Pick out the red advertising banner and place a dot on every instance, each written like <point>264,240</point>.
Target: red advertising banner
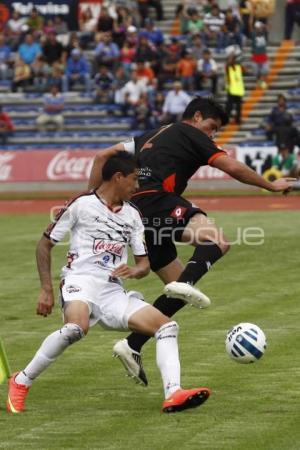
<point>45,165</point>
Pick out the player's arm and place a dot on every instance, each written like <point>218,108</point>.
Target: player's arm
<point>245,174</point>
<point>43,259</point>
<point>140,270</point>
<point>102,156</point>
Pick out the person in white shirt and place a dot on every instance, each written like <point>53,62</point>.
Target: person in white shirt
<point>133,91</point>
<point>207,71</point>
<point>103,224</point>
<point>175,103</point>
<point>214,24</point>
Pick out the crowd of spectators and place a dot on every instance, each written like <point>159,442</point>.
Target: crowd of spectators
<point>121,56</point>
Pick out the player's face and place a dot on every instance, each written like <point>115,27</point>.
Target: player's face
<point>210,126</point>
<point>128,185</point>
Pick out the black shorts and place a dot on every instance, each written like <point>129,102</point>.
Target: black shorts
<point>165,216</point>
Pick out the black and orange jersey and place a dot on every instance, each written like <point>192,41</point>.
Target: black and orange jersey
<point>170,155</point>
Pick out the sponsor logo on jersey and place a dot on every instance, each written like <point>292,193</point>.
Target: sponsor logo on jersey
<point>114,248</point>
<point>178,212</point>
<point>73,288</point>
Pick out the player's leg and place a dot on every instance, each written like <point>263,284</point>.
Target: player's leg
<point>76,325</point>
<point>149,320</point>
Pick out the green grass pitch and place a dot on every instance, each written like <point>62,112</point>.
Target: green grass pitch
<point>84,401</point>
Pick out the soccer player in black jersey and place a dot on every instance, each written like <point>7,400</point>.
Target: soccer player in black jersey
<point>167,158</point>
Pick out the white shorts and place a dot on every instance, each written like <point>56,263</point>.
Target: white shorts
<point>109,304</point>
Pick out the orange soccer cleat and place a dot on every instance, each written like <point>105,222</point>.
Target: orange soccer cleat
<point>185,398</point>
<point>16,395</point>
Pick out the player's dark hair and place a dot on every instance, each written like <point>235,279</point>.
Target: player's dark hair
<point>122,162</point>
<point>208,108</point>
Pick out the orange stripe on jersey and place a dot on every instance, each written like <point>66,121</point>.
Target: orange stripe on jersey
<point>169,183</point>
<point>215,156</point>
<point>144,192</point>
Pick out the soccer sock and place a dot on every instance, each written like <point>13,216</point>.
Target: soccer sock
<point>168,306</point>
<point>205,255</point>
<point>167,357</point>
<point>50,349</point>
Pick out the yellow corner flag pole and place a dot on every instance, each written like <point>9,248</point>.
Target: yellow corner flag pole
<point>4,364</point>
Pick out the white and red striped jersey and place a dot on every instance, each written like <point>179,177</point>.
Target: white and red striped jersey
<point>99,237</point>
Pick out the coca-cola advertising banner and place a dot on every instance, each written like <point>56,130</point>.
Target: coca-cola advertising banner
<point>75,165</point>
<point>45,165</point>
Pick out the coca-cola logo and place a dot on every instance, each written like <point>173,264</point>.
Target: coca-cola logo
<point>5,167</point>
<point>110,247</point>
<point>65,166</point>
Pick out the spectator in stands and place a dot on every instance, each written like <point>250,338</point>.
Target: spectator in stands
<point>105,22</point>
<point>168,68</point>
<point>103,82</point>
<point>195,24</point>
<point>132,36</point>
<point>60,26</point>
<point>142,114</point>
<point>207,71</point>
<point>132,92</point>
<point>77,71</point>
<point>143,7</point>
<point>15,29</point>
<point>175,103</point>
<point>214,23</point>
<point>118,88</point>
<point>196,46</point>
<point>286,132</point>
<point>259,54</point>
<point>157,110</point>
<point>56,75</point>
<point>146,51</point>
<point>107,53</point>
<point>144,72</point>
<point>53,50</point>
<point>286,162</point>
<point>54,104</point>
<point>292,17</point>
<point>29,50</point>
<point>87,27</point>
<point>22,75</point>
<point>186,70</point>
<point>246,17</point>
<point>6,127</point>
<point>40,72</point>
<point>276,117</point>
<point>5,58</point>
<point>73,42</point>
<point>235,86</point>
<point>232,29</point>
<point>152,33</point>
<point>48,27</point>
<point>127,55</point>
<point>35,22</point>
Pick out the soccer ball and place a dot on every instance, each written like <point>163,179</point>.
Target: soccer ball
<point>245,343</point>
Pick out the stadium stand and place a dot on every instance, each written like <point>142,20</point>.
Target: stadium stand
<point>88,123</point>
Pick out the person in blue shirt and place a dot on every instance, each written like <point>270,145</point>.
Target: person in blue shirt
<point>77,71</point>
<point>152,33</point>
<point>29,50</point>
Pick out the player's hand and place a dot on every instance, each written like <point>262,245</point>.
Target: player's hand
<point>45,303</point>
<point>284,185</point>
<point>124,271</point>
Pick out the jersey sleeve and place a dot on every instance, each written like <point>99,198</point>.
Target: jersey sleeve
<point>129,145</point>
<point>137,242</point>
<point>62,223</point>
<point>204,149</point>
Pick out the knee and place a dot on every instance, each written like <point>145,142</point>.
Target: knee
<point>73,332</point>
<point>224,245</point>
<point>167,330</point>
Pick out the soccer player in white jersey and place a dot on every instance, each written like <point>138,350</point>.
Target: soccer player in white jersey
<point>102,224</point>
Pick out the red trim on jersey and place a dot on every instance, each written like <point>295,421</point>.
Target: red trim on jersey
<point>215,156</point>
<point>145,192</point>
<point>169,183</point>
